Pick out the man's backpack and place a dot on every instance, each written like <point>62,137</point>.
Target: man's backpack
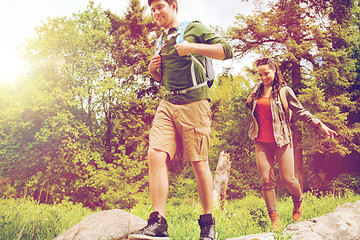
<point>208,68</point>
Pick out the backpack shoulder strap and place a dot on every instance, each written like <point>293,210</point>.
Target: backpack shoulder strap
<point>181,31</point>
<point>158,45</point>
<point>284,100</point>
<point>285,103</point>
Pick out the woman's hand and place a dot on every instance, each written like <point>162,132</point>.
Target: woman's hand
<point>252,95</point>
<point>329,132</point>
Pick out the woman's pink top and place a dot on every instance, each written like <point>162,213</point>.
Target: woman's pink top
<point>264,120</point>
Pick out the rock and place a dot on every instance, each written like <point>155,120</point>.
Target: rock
<point>260,236</point>
<point>221,180</point>
<point>112,224</point>
<point>341,224</point>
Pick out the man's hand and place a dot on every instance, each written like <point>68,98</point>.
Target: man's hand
<point>153,67</point>
<point>154,64</point>
<point>215,51</point>
<point>184,48</point>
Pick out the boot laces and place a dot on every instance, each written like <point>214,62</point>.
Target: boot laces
<point>150,224</point>
<point>207,230</point>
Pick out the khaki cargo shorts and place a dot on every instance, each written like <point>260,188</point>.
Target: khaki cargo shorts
<point>185,125</point>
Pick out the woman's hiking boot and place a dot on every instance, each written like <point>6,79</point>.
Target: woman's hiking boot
<point>275,221</point>
<point>207,227</point>
<point>298,210</point>
<point>156,229</point>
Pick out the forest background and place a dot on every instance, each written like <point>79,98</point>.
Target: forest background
<point>76,126</point>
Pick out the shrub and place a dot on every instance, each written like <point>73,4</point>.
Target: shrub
<point>346,181</point>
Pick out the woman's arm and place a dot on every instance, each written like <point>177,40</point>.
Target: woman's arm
<point>329,132</point>
<point>304,115</point>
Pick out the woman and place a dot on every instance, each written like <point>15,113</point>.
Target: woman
<point>270,129</point>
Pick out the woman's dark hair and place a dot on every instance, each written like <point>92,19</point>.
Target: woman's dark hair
<point>168,1</point>
<point>279,81</point>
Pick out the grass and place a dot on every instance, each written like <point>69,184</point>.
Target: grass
<point>244,216</point>
<point>27,220</point>
<point>21,219</point>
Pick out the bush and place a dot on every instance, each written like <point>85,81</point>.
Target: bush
<point>6,190</point>
<point>346,181</point>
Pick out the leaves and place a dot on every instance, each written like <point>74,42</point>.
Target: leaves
<point>76,127</point>
<point>311,43</point>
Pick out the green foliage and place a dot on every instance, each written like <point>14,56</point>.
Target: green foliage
<point>231,120</point>
<point>76,126</point>
<point>73,131</point>
<point>183,186</point>
<point>346,181</point>
<point>315,59</point>
<point>6,190</point>
<point>24,219</point>
<point>240,217</point>
<point>133,48</point>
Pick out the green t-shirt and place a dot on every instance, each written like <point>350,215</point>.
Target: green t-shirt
<point>176,70</point>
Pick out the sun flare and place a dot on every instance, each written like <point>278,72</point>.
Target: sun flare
<point>10,64</point>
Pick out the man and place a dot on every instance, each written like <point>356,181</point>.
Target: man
<point>183,117</point>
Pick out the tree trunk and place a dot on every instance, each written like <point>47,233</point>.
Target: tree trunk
<point>221,179</point>
<point>298,156</point>
<point>297,135</point>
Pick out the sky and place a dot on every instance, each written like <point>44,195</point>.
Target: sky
<point>19,18</point>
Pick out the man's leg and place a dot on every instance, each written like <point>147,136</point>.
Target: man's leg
<point>204,183</point>
<point>163,142</point>
<point>159,187</point>
<point>158,179</point>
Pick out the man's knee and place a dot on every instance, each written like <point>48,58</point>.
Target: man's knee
<point>157,156</point>
<point>200,165</point>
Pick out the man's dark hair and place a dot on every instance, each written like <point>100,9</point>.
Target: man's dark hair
<point>168,1</point>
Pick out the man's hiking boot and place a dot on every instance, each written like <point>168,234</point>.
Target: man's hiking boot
<point>275,221</point>
<point>156,229</point>
<point>207,227</point>
<point>298,210</point>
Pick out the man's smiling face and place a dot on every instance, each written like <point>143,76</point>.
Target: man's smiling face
<point>164,14</point>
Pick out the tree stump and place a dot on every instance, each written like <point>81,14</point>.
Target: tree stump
<point>221,179</point>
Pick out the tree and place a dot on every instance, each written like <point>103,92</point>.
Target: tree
<point>130,104</point>
<point>131,50</point>
<point>309,39</point>
<point>57,125</point>
<point>78,127</point>
<point>230,125</point>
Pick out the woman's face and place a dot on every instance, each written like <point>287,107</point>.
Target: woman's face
<point>266,74</point>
